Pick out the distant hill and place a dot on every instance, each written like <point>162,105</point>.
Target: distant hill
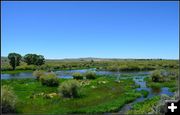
<point>5,59</point>
<point>98,59</point>
<point>85,59</point>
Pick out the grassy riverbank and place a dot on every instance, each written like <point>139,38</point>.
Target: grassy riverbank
<point>100,95</point>
<point>15,71</point>
<point>144,107</point>
<point>171,83</point>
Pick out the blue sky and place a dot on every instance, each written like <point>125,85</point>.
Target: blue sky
<point>91,29</point>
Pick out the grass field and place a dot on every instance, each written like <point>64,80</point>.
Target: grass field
<point>100,64</point>
<point>96,97</point>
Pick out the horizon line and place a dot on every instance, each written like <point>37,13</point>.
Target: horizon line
<point>105,58</point>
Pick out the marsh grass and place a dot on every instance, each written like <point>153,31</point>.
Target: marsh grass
<point>144,107</point>
<point>106,96</point>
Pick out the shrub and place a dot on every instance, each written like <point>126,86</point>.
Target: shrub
<point>8,99</point>
<point>38,74</point>
<point>70,88</point>
<point>44,67</point>
<point>113,68</point>
<point>123,67</point>
<point>90,75</point>
<point>172,77</point>
<point>26,67</point>
<point>144,93</point>
<point>49,79</point>
<point>77,75</point>
<point>154,86</point>
<point>5,67</point>
<point>156,76</point>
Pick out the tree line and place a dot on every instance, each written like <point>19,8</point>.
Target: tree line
<point>30,59</point>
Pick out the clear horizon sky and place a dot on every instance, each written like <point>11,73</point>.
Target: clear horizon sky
<point>91,29</point>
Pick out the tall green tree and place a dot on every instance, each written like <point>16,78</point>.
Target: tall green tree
<point>40,60</point>
<point>34,59</point>
<point>15,59</point>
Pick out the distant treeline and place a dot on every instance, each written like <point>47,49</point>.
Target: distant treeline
<point>29,62</point>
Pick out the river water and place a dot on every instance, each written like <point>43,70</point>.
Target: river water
<point>66,73</point>
<point>152,92</point>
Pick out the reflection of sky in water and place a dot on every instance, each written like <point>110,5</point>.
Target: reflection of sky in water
<point>18,75</point>
<point>67,73</point>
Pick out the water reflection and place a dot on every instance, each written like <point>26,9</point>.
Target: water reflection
<point>68,73</point>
